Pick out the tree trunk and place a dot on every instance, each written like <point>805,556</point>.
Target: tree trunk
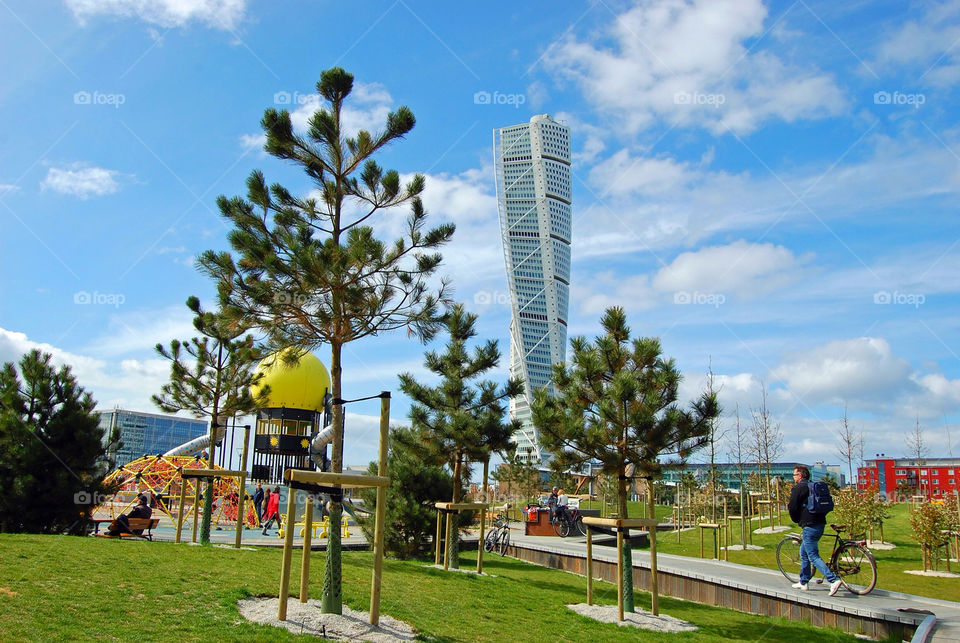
<point>627,560</point>
<point>453,543</point>
<point>331,601</point>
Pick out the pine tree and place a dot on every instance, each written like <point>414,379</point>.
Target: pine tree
<point>616,403</point>
<point>461,419</point>
<point>414,487</point>
<point>210,376</point>
<point>309,271</point>
<point>51,448</point>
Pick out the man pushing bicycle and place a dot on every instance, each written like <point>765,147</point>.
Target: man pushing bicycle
<point>812,521</point>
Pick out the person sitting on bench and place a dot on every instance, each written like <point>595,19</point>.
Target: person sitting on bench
<point>122,523</point>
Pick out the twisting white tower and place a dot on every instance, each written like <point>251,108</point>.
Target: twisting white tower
<point>533,193</point>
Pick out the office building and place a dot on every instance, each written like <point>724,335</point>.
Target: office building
<point>147,433</point>
<point>533,194</point>
<point>902,478</point>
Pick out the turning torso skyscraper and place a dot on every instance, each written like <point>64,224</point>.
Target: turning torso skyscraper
<point>533,194</point>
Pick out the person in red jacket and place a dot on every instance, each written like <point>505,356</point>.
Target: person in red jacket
<point>273,510</point>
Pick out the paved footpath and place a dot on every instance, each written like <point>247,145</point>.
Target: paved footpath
<point>766,581</point>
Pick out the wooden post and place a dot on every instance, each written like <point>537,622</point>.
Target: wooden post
<point>620,572</point>
<point>589,566</point>
<point>287,553</point>
<point>305,556</point>
<point>241,517</point>
<point>701,541</point>
<point>183,498</point>
<point>483,516</point>
<point>381,515</point>
<point>196,508</point>
<point>652,530</point>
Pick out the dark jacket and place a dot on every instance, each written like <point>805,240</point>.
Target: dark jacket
<point>798,507</point>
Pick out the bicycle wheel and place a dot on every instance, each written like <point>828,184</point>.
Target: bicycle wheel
<point>788,558</point>
<point>503,542</point>
<point>856,567</point>
<point>491,540</point>
<point>579,526</point>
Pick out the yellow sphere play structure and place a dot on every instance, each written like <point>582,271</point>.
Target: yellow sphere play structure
<point>160,476</point>
<point>294,412</point>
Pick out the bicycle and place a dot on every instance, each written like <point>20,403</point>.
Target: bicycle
<point>498,537</point>
<point>850,560</point>
<point>567,520</point>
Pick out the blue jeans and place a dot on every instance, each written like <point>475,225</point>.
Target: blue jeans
<point>810,554</point>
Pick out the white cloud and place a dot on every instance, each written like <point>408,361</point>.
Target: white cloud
<point>140,331</point>
<point>853,369</point>
<point>250,142</point>
<point>741,268</point>
<point>219,14</point>
<point>622,174</point>
<point>686,62</point>
<point>7,188</point>
<point>80,181</point>
<point>927,44</point>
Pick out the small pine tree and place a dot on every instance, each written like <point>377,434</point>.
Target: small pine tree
<point>310,271</point>
<point>461,419</point>
<point>51,448</point>
<point>616,404</point>
<point>211,376</point>
<point>414,487</point>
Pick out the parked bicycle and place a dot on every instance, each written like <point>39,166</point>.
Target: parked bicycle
<point>850,560</point>
<point>568,520</point>
<point>498,537</point>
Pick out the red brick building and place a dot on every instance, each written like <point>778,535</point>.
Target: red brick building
<point>930,477</point>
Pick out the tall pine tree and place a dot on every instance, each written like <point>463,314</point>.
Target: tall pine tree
<point>51,448</point>
<point>309,271</point>
<point>210,376</point>
<point>616,404</point>
<point>462,418</point>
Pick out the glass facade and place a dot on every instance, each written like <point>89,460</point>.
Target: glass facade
<point>534,198</point>
<point>148,433</point>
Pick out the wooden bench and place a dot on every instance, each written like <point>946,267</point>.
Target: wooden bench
<point>136,524</point>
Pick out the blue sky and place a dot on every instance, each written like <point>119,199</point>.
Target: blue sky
<point>770,188</point>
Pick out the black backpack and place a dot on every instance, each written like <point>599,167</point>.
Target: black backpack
<point>819,501</point>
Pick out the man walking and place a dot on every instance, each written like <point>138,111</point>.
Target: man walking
<point>812,530</point>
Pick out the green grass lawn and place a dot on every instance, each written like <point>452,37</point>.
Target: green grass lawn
<point>66,588</point>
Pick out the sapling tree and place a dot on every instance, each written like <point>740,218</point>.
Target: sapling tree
<point>210,376</point>
<point>461,419</point>
<point>310,271</point>
<point>616,404</point>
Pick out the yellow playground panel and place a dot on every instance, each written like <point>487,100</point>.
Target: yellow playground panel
<point>160,476</point>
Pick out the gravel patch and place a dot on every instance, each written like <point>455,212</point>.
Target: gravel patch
<point>741,547</point>
<point>920,572</point>
<point>642,620</point>
<point>772,530</point>
<point>458,569</point>
<point>306,618</point>
<point>876,544</point>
